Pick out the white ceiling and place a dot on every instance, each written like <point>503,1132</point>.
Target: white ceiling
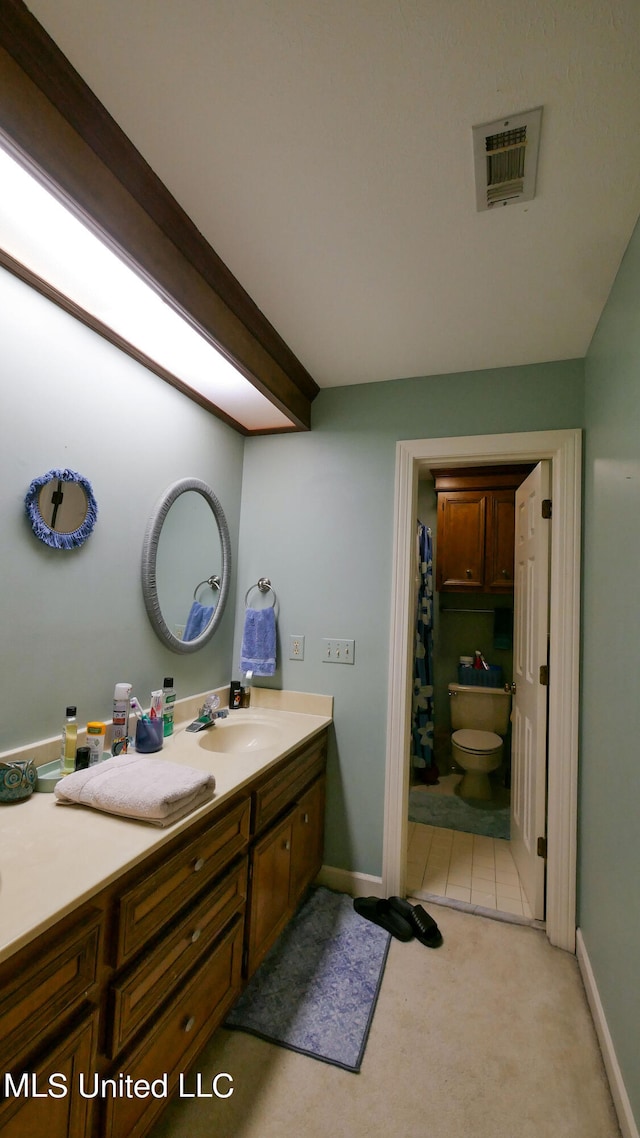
<point>323,147</point>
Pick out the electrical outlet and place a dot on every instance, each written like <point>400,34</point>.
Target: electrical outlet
<point>296,647</point>
<point>338,651</point>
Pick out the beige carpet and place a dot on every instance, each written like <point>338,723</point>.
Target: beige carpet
<point>487,1037</point>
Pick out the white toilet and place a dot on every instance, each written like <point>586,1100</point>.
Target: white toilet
<point>479,719</point>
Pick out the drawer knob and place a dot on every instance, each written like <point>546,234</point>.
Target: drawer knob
<point>198,864</point>
<point>305,819</point>
<point>287,845</point>
<point>468,572</point>
<point>190,1023</point>
<point>195,935</point>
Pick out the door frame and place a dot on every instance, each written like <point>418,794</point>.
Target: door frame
<point>564,449</point>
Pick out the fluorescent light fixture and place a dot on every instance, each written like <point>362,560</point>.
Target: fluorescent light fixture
<point>46,236</point>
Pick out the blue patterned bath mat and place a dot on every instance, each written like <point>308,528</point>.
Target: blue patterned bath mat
<point>316,990</point>
<point>454,813</point>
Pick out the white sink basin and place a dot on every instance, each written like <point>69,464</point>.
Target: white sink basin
<point>241,737</point>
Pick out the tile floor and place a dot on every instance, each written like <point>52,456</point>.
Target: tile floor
<point>464,867</point>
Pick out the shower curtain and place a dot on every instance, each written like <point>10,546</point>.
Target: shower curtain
<point>424,767</point>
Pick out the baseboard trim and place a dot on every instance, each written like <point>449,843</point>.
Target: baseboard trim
<point>344,881</point>
<point>619,1094</point>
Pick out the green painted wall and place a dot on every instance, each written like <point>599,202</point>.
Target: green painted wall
<point>74,622</point>
<point>317,518</point>
<point>609,898</point>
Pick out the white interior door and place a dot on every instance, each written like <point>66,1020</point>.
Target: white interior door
<point>530,655</point>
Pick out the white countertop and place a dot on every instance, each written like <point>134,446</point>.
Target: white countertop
<point>54,858</point>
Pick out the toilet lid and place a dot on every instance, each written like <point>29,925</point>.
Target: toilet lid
<point>480,742</point>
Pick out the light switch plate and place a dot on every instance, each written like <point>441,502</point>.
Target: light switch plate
<point>338,651</point>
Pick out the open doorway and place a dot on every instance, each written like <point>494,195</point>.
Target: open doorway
<point>464,834</point>
<point>563,449</point>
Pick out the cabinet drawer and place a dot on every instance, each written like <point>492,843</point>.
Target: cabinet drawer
<point>152,903</point>
<point>179,1035</point>
<point>68,1116</point>
<point>56,973</point>
<point>138,994</point>
<point>283,787</point>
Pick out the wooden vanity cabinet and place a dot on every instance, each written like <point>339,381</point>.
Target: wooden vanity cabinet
<point>136,981</point>
<point>286,853</point>
<point>49,1026</point>
<point>476,528</point>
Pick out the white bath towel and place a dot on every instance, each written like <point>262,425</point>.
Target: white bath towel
<point>138,786</point>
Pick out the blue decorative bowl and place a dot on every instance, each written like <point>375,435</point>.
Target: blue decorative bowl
<point>17,779</point>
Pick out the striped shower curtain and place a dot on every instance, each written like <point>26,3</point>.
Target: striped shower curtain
<point>422,708</point>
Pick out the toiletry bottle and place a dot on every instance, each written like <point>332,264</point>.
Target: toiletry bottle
<point>69,741</point>
<point>168,705</point>
<point>477,659</point>
<point>121,697</point>
<point>83,758</point>
<point>96,733</point>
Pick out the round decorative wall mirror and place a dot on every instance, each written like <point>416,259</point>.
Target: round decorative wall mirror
<point>61,508</point>
<point>186,565</point>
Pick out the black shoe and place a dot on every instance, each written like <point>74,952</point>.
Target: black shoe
<point>424,927</point>
<point>380,912</point>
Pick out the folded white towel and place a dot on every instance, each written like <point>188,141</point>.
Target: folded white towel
<point>138,786</point>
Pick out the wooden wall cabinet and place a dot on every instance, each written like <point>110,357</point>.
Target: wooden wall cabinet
<point>476,528</point>
<point>138,979</point>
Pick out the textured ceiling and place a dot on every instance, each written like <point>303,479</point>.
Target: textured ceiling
<point>323,147</point>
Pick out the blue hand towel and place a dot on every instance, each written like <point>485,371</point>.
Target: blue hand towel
<point>197,620</point>
<point>258,653</point>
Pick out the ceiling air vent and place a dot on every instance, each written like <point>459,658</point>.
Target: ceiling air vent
<point>506,158</point>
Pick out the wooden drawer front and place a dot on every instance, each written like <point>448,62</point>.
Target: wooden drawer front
<point>138,994</point>
<point>178,1035</point>
<point>286,784</point>
<point>57,1117</point>
<point>58,973</point>
<point>154,901</point>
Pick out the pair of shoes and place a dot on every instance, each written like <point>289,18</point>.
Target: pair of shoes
<point>400,918</point>
<point>423,926</point>
<point>380,912</point>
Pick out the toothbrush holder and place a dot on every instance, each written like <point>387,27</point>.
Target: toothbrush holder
<point>149,736</point>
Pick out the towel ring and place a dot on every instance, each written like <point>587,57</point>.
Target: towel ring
<point>213,582</point>
<point>265,586</point>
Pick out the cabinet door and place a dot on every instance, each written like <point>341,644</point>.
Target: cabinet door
<point>269,905</point>
<point>500,541</point>
<point>461,541</point>
<point>57,1117</point>
<point>307,840</point>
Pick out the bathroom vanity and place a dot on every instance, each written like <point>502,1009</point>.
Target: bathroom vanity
<point>123,961</point>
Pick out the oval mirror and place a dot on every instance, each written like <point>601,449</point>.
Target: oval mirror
<point>186,565</point>
<point>61,508</point>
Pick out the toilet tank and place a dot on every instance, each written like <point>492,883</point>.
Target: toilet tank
<point>485,709</point>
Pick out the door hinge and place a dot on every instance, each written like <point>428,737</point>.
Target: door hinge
<point>546,507</point>
<point>542,847</point>
<point>544,674</point>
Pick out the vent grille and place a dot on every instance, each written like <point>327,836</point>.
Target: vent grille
<point>506,154</point>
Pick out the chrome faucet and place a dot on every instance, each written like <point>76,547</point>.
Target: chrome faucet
<point>208,714</point>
